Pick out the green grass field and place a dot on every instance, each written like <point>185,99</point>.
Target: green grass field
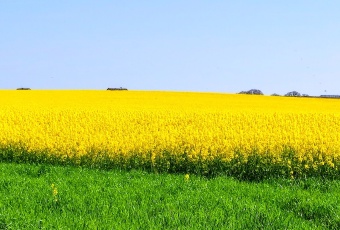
<point>85,198</point>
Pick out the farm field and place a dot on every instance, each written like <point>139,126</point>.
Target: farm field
<point>41,196</point>
<point>249,137</point>
<point>152,160</point>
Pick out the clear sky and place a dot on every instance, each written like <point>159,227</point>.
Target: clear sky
<point>181,45</point>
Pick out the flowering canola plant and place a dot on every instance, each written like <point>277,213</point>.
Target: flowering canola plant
<point>208,133</point>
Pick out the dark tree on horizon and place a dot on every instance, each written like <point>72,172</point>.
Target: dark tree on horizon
<point>293,94</point>
<point>252,92</point>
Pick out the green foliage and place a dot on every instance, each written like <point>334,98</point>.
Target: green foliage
<point>40,196</point>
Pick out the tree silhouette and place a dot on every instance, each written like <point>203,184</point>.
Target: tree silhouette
<point>252,91</point>
<point>293,94</point>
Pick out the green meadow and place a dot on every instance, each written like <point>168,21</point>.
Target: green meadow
<point>42,196</point>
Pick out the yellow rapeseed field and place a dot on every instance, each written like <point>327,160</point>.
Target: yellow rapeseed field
<point>172,131</point>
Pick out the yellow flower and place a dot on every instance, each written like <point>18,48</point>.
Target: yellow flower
<point>54,192</point>
<point>186,177</point>
<point>117,127</point>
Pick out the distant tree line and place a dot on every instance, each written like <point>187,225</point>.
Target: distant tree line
<point>296,94</point>
<point>252,91</point>
<point>259,92</point>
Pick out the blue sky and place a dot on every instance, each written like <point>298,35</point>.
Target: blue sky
<point>211,46</point>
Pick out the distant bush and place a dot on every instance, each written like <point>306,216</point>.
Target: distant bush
<point>120,88</point>
<point>23,89</point>
<point>293,94</point>
<point>275,94</point>
<point>252,91</point>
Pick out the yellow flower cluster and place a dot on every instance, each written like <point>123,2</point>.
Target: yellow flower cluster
<point>54,193</point>
<point>171,130</point>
